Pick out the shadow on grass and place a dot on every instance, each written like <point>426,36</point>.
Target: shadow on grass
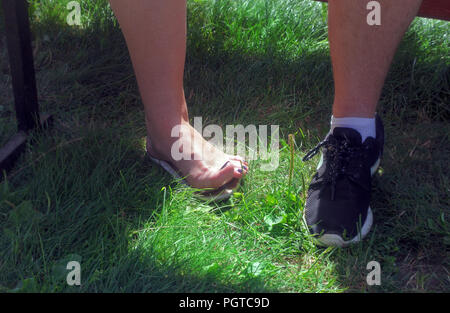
<point>92,199</point>
<point>410,231</point>
<point>95,191</point>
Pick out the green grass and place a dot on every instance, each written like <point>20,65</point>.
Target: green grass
<point>85,191</point>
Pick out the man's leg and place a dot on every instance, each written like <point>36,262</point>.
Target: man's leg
<point>155,32</point>
<point>337,207</point>
<point>362,54</point>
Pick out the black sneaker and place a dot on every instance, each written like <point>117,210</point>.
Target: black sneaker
<point>339,194</point>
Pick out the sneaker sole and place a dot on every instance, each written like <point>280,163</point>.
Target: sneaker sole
<point>338,241</point>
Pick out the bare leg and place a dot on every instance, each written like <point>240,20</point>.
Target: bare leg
<point>337,208</point>
<point>361,54</point>
<point>155,32</point>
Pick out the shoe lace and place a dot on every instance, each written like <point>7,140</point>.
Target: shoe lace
<point>343,159</point>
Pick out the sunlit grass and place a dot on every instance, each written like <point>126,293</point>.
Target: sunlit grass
<point>86,191</point>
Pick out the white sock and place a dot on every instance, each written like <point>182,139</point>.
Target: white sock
<point>365,126</point>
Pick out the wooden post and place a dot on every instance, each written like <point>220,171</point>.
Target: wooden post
<point>21,63</point>
<point>18,39</point>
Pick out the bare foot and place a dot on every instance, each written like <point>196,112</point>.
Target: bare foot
<point>203,165</point>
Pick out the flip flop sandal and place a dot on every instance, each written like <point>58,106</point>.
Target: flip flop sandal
<point>220,194</point>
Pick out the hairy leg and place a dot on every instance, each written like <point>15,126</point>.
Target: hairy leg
<point>362,54</point>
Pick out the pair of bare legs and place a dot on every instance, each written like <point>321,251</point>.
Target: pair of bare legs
<point>155,32</point>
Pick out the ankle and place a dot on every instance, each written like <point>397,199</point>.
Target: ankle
<point>161,139</point>
<point>354,107</point>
